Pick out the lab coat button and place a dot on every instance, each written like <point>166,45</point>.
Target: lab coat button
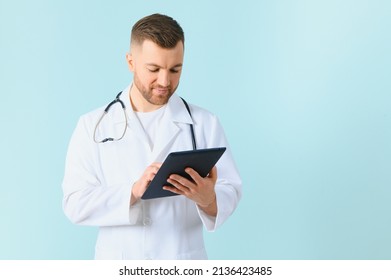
<point>147,222</point>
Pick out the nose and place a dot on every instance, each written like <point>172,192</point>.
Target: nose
<point>163,78</point>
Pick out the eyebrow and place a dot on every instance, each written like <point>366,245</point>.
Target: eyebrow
<point>158,66</point>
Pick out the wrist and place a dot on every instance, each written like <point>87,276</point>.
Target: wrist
<point>208,205</point>
<point>133,197</point>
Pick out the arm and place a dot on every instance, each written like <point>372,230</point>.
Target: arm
<point>87,199</point>
<point>217,195</point>
<point>228,186</point>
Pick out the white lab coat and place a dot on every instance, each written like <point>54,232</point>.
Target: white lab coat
<point>99,177</point>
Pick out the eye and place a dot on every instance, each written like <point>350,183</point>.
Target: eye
<point>153,70</point>
<point>174,71</point>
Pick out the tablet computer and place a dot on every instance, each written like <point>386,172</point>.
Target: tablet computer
<point>201,161</point>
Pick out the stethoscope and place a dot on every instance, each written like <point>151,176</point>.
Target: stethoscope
<point>118,100</point>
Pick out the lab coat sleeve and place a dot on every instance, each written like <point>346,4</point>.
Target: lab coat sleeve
<point>87,201</point>
<point>228,185</point>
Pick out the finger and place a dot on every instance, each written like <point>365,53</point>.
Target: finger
<point>194,175</point>
<point>153,168</point>
<point>156,164</point>
<point>213,173</point>
<point>151,172</point>
<point>181,180</point>
<point>178,185</point>
<point>172,189</point>
<point>150,176</point>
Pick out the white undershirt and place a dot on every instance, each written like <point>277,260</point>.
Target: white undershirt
<point>150,122</point>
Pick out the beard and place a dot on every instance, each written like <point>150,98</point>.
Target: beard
<point>155,99</point>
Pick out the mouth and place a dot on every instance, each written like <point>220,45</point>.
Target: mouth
<point>161,91</point>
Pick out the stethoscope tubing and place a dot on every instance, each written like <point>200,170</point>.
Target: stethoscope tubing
<point>105,111</point>
<point>117,99</point>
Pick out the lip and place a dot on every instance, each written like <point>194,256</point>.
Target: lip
<point>161,91</point>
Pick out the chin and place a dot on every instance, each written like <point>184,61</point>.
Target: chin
<point>160,99</point>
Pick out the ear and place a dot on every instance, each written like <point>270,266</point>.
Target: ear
<point>130,61</point>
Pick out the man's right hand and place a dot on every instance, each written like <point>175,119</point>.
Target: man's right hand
<point>141,185</point>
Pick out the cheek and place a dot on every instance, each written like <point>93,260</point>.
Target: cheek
<point>146,77</point>
<point>175,79</point>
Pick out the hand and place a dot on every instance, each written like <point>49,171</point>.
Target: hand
<point>141,185</point>
<point>201,191</point>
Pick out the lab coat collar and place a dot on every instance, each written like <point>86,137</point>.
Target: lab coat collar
<point>175,113</point>
<point>176,110</point>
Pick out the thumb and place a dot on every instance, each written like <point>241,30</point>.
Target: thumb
<point>213,173</point>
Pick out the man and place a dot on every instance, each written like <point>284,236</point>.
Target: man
<point>104,182</point>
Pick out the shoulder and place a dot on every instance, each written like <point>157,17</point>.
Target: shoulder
<point>194,109</point>
<point>208,128</point>
<point>200,113</point>
<point>87,121</point>
<point>92,115</point>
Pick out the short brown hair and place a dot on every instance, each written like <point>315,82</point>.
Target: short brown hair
<point>160,29</point>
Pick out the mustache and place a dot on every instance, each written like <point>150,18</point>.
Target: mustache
<point>161,87</point>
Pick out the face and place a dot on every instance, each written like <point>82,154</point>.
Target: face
<point>156,70</point>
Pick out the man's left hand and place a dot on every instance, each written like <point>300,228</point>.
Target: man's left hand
<point>201,191</point>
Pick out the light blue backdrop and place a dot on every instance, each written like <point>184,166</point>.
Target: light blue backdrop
<point>302,88</point>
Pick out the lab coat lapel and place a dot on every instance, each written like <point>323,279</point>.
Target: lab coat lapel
<point>169,128</point>
<point>136,128</point>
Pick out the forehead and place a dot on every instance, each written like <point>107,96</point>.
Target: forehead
<point>150,52</point>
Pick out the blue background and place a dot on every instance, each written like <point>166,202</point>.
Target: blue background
<point>302,89</point>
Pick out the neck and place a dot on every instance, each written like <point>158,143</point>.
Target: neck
<point>139,103</point>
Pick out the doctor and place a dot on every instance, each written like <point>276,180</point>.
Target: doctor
<point>103,182</point>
